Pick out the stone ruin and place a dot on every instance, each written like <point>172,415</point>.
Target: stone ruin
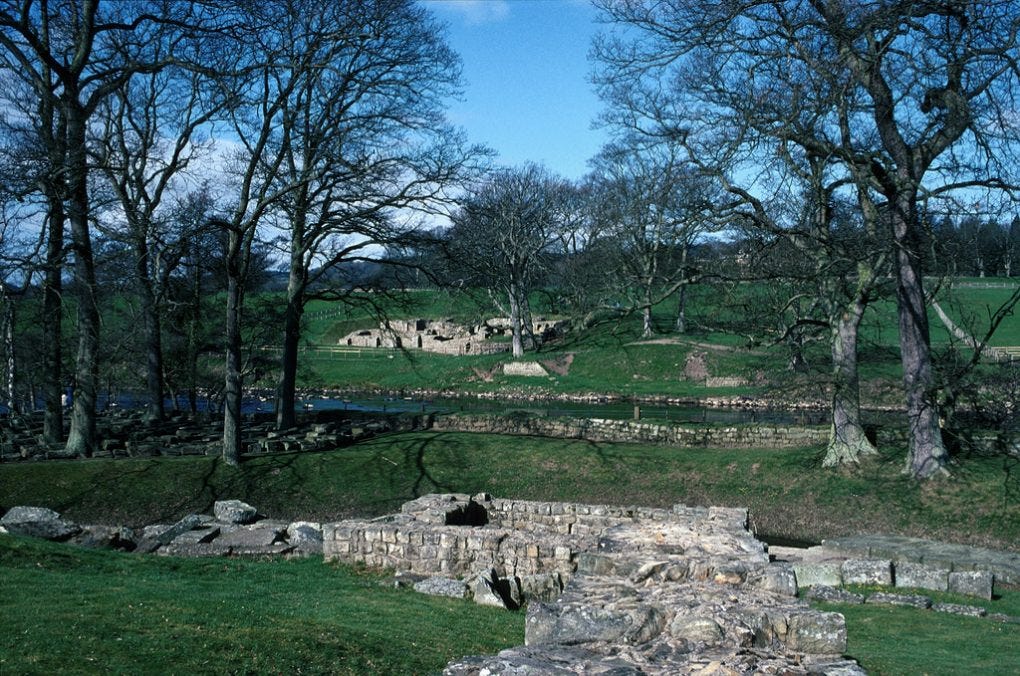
<point>235,528</point>
<point>444,336</point>
<point>608,590</point>
<point>621,590</point>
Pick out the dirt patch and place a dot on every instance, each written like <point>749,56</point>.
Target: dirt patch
<point>560,365</point>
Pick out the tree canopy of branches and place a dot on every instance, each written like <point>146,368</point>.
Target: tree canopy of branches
<point>365,144</point>
<point>500,238</point>
<point>72,56</point>
<point>905,101</point>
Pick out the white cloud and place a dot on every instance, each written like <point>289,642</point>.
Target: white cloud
<point>473,12</point>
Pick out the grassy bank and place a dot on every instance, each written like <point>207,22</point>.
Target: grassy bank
<point>612,357</point>
<point>788,493</point>
<point>69,611</point>
<point>66,610</point>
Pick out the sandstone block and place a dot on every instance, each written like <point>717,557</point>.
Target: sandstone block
<point>921,577</point>
<point>812,574</point>
<point>234,511</point>
<point>442,586</point>
<point>867,571</point>
<point>780,578</point>
<point>821,592</point>
<point>910,600</point>
<point>540,587</point>
<point>959,609</point>
<point>817,633</point>
<point>972,583</point>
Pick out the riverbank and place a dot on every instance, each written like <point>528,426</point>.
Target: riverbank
<point>788,493</point>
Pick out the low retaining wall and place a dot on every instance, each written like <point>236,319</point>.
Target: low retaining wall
<point>599,429</point>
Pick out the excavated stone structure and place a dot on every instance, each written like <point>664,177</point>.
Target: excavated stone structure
<point>644,591</point>
<point>445,336</point>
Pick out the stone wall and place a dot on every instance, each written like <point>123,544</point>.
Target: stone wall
<point>633,590</point>
<point>636,431</point>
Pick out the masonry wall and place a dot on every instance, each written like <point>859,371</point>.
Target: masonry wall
<point>597,429</point>
<point>447,550</point>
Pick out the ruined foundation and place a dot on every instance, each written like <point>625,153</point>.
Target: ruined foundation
<point>621,590</point>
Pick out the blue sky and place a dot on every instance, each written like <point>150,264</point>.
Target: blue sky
<point>527,92</point>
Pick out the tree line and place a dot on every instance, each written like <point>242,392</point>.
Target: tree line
<point>848,149</point>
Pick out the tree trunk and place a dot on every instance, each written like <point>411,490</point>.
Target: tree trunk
<point>285,416</point>
<point>155,409</point>
<point>927,453</point>
<point>681,309</point>
<point>52,324</point>
<point>232,383</point>
<point>847,441</point>
<point>515,323</point>
<point>81,439</point>
<point>12,363</point>
<point>647,330</point>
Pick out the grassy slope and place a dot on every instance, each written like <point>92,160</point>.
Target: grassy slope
<point>611,357</point>
<point>894,641</point>
<point>788,493</point>
<point>71,611</point>
<point>66,610</point>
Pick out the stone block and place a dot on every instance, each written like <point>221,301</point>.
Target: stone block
<point>234,511</point>
<point>867,572</point>
<point>891,599</point>
<point>780,578</point>
<point>540,587</point>
<point>919,576</point>
<point>816,632</point>
<point>38,522</point>
<point>821,592</point>
<point>972,583</point>
<point>959,609</point>
<point>811,574</point>
<point>442,586</point>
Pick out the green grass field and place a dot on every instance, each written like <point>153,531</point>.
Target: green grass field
<point>788,493</point>
<point>612,357</point>
<point>66,610</point>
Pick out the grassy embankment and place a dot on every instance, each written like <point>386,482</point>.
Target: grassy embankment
<point>65,610</point>
<point>611,357</point>
<point>788,493</point>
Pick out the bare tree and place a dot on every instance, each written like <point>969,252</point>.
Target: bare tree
<point>923,92</point>
<point>73,54</point>
<point>366,145</point>
<point>655,205</point>
<point>500,237</point>
<point>147,134</point>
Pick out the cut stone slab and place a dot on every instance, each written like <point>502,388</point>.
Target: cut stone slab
<point>252,537</point>
<point>919,576</point>
<point>821,592</point>
<point>960,609</point>
<point>1005,565</point>
<point>891,599</point>
<point>811,574</point>
<point>972,583</point>
<point>38,522</point>
<point>442,586</point>
<point>524,368</point>
<point>234,511</point>
<point>867,572</point>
